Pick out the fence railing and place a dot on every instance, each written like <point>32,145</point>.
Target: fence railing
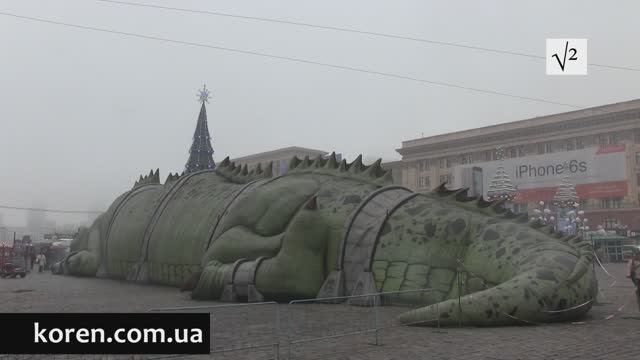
<point>249,328</point>
<point>310,321</point>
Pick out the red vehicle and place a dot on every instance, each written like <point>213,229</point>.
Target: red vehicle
<point>11,270</point>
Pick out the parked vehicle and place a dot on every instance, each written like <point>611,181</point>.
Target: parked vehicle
<point>11,270</point>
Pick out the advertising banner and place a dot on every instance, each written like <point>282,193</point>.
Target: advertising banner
<point>597,172</point>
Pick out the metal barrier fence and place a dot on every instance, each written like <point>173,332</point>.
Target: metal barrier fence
<point>310,321</point>
<point>254,330</point>
<point>250,330</point>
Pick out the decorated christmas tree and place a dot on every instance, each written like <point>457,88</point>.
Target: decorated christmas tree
<point>201,151</point>
<point>566,195</point>
<point>501,186</point>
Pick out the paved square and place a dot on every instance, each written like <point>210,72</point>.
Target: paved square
<point>611,330</point>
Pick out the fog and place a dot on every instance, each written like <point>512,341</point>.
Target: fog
<point>84,113</point>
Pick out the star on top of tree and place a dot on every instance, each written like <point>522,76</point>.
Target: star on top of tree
<point>203,95</point>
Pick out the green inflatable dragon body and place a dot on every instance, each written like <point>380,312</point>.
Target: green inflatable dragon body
<point>329,228</point>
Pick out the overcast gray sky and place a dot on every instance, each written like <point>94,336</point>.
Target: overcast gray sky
<point>83,113</point>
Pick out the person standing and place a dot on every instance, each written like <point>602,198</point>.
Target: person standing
<point>632,273</point>
<point>32,257</point>
<point>40,260</point>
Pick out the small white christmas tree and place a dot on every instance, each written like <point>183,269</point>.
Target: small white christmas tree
<point>566,195</point>
<point>501,186</point>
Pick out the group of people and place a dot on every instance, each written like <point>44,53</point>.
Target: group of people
<point>39,261</point>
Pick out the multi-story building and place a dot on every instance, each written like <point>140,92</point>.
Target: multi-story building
<point>280,158</point>
<point>598,149</point>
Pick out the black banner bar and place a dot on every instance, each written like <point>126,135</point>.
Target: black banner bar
<point>104,333</point>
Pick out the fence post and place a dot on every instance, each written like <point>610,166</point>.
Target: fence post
<point>438,314</point>
<point>277,331</point>
<point>459,296</point>
<point>375,317</point>
<point>289,330</point>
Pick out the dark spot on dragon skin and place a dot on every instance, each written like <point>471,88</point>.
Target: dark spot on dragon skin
<point>442,212</point>
<point>492,221</point>
<point>386,229</point>
<point>499,244</point>
<point>563,260</point>
<point>527,294</point>
<point>430,229</point>
<point>513,312</point>
<point>352,199</point>
<point>490,235</point>
<point>496,305</point>
<point>515,251</point>
<point>409,231</point>
<point>416,209</point>
<point>489,313</point>
<point>326,193</point>
<point>522,236</point>
<point>458,226</point>
<point>500,252</point>
<point>334,210</point>
<point>414,239</point>
<point>546,275</point>
<point>383,246</point>
<point>444,315</point>
<point>540,302</point>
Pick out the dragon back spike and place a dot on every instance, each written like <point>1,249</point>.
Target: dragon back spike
<point>332,162</point>
<point>356,166</point>
<point>294,162</point>
<point>343,165</point>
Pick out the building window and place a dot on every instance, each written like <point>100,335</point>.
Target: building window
<point>427,165</point>
<point>610,203</point>
<point>466,159</point>
<point>420,181</point>
<point>427,182</point>
<point>442,163</point>
<point>520,208</point>
<point>444,179</point>
<point>638,158</point>
<point>548,148</point>
<point>541,148</point>
<point>579,143</point>
<point>513,152</point>
<point>570,145</point>
<point>420,166</point>
<point>610,223</point>
<point>601,140</point>
<point>636,137</point>
<point>613,139</point>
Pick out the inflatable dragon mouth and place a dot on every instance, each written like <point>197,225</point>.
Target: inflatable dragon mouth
<point>329,228</point>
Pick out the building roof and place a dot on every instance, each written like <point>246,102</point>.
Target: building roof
<point>561,120</point>
<point>282,151</point>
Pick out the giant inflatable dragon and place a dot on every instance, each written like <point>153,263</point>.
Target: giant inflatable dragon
<point>327,228</point>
